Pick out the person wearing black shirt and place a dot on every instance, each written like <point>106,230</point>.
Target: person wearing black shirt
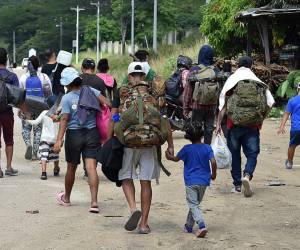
<point>89,78</point>
<point>51,63</point>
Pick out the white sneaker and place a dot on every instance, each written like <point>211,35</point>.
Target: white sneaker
<point>247,188</point>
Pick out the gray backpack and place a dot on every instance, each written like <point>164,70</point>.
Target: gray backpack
<point>206,86</point>
<point>248,103</point>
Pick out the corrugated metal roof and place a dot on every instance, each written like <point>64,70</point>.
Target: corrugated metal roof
<point>267,11</point>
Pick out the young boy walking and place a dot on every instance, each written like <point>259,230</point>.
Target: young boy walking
<point>293,110</point>
<point>197,175</point>
<point>48,139</point>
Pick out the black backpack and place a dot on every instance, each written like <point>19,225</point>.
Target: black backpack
<point>3,93</point>
<point>174,85</point>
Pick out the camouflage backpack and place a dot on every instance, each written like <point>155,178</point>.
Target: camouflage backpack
<point>248,103</point>
<point>206,86</point>
<point>141,123</point>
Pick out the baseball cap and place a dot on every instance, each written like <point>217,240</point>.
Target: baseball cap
<point>136,67</point>
<point>68,75</point>
<point>245,61</point>
<point>88,63</point>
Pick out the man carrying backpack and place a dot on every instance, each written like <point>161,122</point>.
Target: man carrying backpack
<point>246,100</point>
<point>202,92</point>
<point>177,82</point>
<point>6,114</point>
<point>39,85</point>
<point>143,57</point>
<point>138,124</point>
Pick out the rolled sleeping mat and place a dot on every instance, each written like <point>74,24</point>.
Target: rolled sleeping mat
<point>15,95</point>
<point>35,105</point>
<point>56,106</point>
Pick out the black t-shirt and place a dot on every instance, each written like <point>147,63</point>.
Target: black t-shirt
<point>48,68</point>
<point>94,82</point>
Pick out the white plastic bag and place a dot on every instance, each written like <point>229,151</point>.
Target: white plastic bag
<point>222,154</point>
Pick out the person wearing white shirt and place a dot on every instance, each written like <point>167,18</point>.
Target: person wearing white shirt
<point>48,139</point>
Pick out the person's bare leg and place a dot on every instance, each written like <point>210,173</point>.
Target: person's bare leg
<point>69,181</point>
<point>291,153</point>
<point>44,166</point>
<point>146,198</point>
<point>91,165</point>
<point>9,150</point>
<point>56,164</point>
<point>129,191</point>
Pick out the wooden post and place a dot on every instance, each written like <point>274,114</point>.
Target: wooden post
<point>262,26</point>
<point>249,41</point>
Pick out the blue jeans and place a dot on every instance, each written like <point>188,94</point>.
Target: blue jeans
<point>194,196</point>
<point>247,139</point>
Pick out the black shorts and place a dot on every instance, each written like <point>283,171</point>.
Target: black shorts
<point>81,141</point>
<point>295,138</point>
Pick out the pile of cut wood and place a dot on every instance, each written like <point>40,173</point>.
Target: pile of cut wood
<point>273,75</point>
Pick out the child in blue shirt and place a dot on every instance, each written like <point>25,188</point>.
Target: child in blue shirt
<point>197,175</point>
<point>293,110</point>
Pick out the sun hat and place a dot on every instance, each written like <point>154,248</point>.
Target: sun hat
<point>68,75</point>
<point>136,67</point>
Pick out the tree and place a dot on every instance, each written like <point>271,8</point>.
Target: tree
<point>226,35</point>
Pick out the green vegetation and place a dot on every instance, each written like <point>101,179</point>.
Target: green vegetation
<point>288,88</point>
<point>35,22</point>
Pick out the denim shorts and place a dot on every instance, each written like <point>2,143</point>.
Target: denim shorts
<point>295,138</point>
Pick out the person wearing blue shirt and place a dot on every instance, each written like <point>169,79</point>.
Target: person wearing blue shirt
<point>293,111</point>
<point>82,137</point>
<point>200,168</point>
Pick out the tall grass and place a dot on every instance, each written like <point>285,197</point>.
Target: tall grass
<point>164,63</point>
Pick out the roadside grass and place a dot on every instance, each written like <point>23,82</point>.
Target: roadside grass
<point>164,63</point>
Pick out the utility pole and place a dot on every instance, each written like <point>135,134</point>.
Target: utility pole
<point>60,25</point>
<point>77,9</point>
<point>14,47</point>
<point>98,27</point>
<point>132,27</point>
<point>155,27</point>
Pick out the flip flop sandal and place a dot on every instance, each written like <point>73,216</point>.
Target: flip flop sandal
<point>60,201</point>
<point>145,230</point>
<point>94,210</point>
<point>133,221</point>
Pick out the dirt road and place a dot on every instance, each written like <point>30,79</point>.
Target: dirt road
<point>269,220</point>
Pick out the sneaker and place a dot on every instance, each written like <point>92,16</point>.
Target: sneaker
<point>11,172</point>
<point>288,165</point>
<point>247,188</point>
<point>28,154</point>
<point>187,229</point>
<point>56,171</point>
<point>44,176</point>
<point>236,189</point>
<point>201,233</point>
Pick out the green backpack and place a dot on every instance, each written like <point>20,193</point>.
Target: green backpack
<point>141,123</point>
<point>248,103</point>
<point>206,86</point>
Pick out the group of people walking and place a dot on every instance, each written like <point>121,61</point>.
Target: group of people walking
<point>137,123</point>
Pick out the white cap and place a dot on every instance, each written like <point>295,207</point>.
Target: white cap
<point>136,67</point>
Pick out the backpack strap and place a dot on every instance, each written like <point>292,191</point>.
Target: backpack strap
<point>140,109</point>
